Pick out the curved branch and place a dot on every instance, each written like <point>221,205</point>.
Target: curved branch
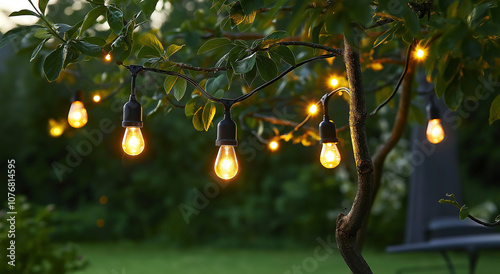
<point>408,57</point>
<point>202,69</point>
<point>311,45</point>
<point>497,223</point>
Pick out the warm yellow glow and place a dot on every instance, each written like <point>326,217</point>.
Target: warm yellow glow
<point>273,145</point>
<point>226,164</point>
<point>97,98</point>
<point>133,142</point>
<point>420,53</point>
<point>334,82</point>
<point>435,132</point>
<point>108,57</point>
<point>56,128</point>
<point>313,109</point>
<point>77,116</point>
<point>330,155</point>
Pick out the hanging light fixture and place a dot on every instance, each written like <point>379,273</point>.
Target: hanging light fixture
<point>330,155</point>
<point>226,163</point>
<point>77,116</point>
<point>435,132</point>
<point>133,141</point>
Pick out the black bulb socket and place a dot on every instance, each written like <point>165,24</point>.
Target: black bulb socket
<point>327,131</point>
<point>432,111</point>
<point>226,132</point>
<point>77,96</point>
<point>132,113</point>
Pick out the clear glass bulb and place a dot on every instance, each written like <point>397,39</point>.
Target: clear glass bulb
<point>330,155</point>
<point>435,132</point>
<point>77,116</point>
<point>226,164</point>
<point>133,142</point>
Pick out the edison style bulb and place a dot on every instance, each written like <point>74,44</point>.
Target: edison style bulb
<point>330,155</point>
<point>435,132</point>
<point>133,142</point>
<point>226,164</point>
<point>77,116</point>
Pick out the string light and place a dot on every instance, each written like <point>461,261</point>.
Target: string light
<point>226,163</point>
<point>97,98</point>
<point>420,53</point>
<point>435,132</point>
<point>108,57</point>
<point>56,128</point>
<point>313,109</point>
<point>77,116</point>
<point>133,141</point>
<point>273,145</point>
<point>334,82</point>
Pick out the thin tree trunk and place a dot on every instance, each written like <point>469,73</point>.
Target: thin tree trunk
<point>349,224</point>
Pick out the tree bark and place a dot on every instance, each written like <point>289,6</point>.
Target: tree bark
<point>381,154</point>
<point>349,224</point>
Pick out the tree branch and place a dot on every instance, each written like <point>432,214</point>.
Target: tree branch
<point>348,225</point>
<point>381,154</point>
<point>408,57</point>
<point>381,22</point>
<point>311,45</point>
<point>497,223</point>
<point>202,69</point>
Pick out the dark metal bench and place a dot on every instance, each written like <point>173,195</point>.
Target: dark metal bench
<point>431,226</point>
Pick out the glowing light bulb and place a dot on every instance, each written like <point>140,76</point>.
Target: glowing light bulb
<point>330,155</point>
<point>334,82</point>
<point>108,57</point>
<point>313,109</point>
<point>56,128</point>
<point>77,116</point>
<point>420,53</point>
<point>226,164</point>
<point>273,145</point>
<point>133,142</point>
<point>97,98</point>
<point>435,132</point>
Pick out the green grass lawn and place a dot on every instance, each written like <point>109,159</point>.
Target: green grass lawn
<point>131,258</point>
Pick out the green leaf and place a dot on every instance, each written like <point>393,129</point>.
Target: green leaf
<point>95,40</point>
<point>180,88</point>
<point>53,63</point>
<point>16,32</point>
<point>87,48</point>
<point>273,38</point>
<point>71,56</point>
<point>42,33</point>
<point>147,52</point>
<point>219,94</point>
<point>250,5</point>
<point>173,49</point>
<point>69,33</point>
<point>91,18</point>
<point>495,110</point>
<point>42,5</point>
<point>24,12</point>
<point>148,39</point>
<point>148,7</point>
<point>245,65</point>
<point>286,54</point>
<point>197,120</point>
<point>497,219</point>
<point>236,15</point>
<point>453,96</point>
<point>208,114</point>
<point>250,76</point>
<point>388,35</point>
<point>169,83</point>
<point>213,44</point>
<point>37,49</point>
<point>214,84</point>
<point>411,21</point>
<point>316,31</point>
<point>267,68</point>
<point>478,14</point>
<point>192,106</point>
<point>464,212</point>
<point>115,19</point>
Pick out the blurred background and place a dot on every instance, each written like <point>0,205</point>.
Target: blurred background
<point>82,202</point>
